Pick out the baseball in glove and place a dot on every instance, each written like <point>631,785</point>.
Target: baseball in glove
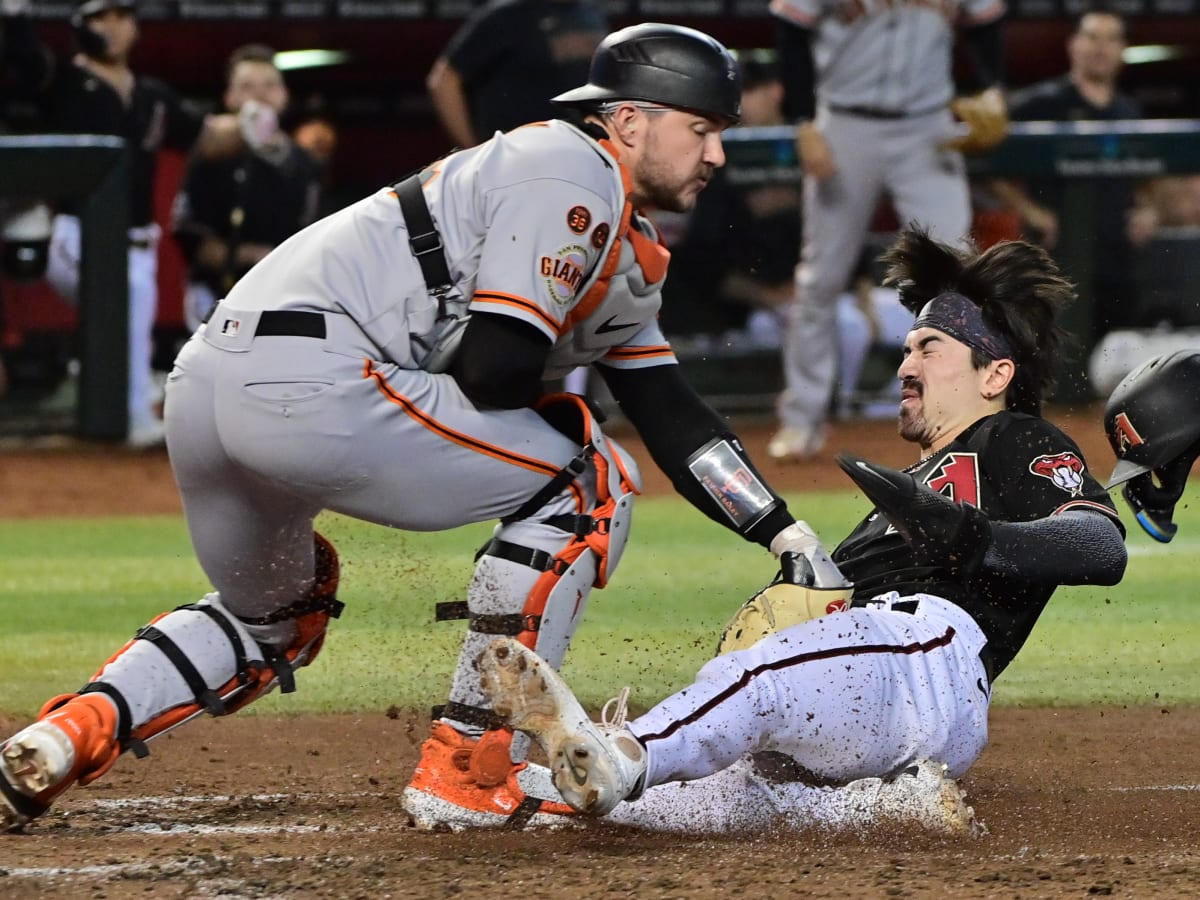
<point>983,121</point>
<point>788,600</point>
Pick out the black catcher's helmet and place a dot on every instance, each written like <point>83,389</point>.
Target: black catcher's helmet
<point>666,64</point>
<point>1153,424</point>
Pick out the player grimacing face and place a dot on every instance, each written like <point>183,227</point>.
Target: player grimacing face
<point>941,392</point>
<point>676,158</point>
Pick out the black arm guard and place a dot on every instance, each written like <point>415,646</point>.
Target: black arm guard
<point>797,71</point>
<point>1074,547</point>
<point>677,425</point>
<point>985,48</point>
<point>500,362</point>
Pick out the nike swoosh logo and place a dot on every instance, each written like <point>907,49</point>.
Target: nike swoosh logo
<point>609,326</point>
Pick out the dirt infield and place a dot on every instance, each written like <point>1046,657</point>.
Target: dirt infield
<point>1076,802</point>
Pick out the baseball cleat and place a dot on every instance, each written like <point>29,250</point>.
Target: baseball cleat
<point>791,444</point>
<point>74,742</point>
<point>925,795</point>
<point>449,793</point>
<point>595,766</point>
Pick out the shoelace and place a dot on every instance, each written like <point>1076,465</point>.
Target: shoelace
<point>620,713</point>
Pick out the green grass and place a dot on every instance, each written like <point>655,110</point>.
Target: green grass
<point>76,590</point>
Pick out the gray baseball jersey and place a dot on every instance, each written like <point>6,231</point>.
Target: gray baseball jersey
<point>267,429</point>
<point>885,55</point>
<point>530,222</point>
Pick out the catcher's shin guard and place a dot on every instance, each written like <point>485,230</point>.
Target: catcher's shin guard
<point>195,659</point>
<point>531,582</point>
<point>533,579</point>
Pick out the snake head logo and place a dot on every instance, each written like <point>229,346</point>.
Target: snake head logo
<point>1064,469</point>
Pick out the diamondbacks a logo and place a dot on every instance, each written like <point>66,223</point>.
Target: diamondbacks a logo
<point>1124,436</point>
<point>1064,469</point>
<point>839,605</point>
<point>957,477</point>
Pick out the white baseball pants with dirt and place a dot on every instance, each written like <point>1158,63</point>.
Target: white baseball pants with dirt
<point>928,186</point>
<point>850,695</point>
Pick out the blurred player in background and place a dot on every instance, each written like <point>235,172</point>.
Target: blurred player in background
<point>870,85</point>
<point>96,92</point>
<point>508,59</point>
<point>230,213</point>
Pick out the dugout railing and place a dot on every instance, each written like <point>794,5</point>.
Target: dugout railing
<point>94,170</point>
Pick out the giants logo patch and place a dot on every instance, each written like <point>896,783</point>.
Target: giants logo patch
<point>1123,436</point>
<point>1064,469</point>
<point>563,272</point>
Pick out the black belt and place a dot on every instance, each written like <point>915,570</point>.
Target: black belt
<point>290,322</point>
<point>875,112</point>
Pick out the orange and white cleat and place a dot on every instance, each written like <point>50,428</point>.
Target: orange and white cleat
<point>462,782</point>
<point>72,741</point>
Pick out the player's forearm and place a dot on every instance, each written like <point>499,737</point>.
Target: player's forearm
<point>1074,547</point>
<point>678,427</point>
<point>450,103</point>
<point>797,71</point>
<point>985,48</point>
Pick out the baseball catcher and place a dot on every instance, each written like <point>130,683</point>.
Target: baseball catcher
<point>1152,420</point>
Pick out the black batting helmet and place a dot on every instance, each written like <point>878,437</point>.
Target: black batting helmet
<point>666,64</point>
<point>1153,415</point>
<point>88,8</point>
<point>92,43</point>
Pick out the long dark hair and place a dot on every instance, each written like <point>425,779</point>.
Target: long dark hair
<point>1018,288</point>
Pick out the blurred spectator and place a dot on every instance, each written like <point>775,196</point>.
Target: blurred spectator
<point>232,212</point>
<point>1088,91</point>
<point>1166,230</point>
<point>96,92</point>
<point>734,259</point>
<point>317,132</point>
<point>735,253</point>
<point>508,59</point>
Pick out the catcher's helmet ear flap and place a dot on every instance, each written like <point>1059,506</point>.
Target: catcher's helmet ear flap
<point>1153,416</point>
<point>92,43</point>
<point>666,64</point>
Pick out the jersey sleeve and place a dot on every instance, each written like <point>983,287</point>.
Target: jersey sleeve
<point>183,124</point>
<point>1038,471</point>
<point>981,12</point>
<point>544,237</point>
<point>646,348</point>
<point>804,13</point>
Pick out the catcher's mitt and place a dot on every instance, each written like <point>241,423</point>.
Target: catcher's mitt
<point>984,118</point>
<point>781,604</point>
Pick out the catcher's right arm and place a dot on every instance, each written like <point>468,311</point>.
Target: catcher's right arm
<point>984,118</point>
<point>783,603</point>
